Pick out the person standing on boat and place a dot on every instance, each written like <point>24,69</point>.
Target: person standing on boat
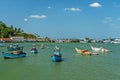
<point>33,47</point>
<point>57,51</point>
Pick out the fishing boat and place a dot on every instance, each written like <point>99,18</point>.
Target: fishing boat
<point>14,54</point>
<point>96,49</point>
<point>83,52</point>
<point>57,56</point>
<point>100,49</point>
<point>34,50</point>
<point>104,50</point>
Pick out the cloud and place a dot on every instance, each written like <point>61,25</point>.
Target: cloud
<point>25,19</point>
<point>95,4</point>
<point>34,17</point>
<point>72,9</point>
<point>37,16</point>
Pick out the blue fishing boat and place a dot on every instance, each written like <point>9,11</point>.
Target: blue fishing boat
<point>14,54</point>
<point>57,56</point>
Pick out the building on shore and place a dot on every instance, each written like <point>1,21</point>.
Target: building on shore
<point>17,39</point>
<point>5,40</point>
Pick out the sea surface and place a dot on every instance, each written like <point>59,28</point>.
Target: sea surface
<point>105,66</point>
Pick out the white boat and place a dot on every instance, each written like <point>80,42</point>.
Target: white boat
<point>96,49</point>
<point>104,50</point>
<point>99,49</point>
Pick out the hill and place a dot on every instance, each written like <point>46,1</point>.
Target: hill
<point>9,31</point>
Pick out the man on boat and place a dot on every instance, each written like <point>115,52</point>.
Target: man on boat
<point>33,47</point>
<point>57,51</point>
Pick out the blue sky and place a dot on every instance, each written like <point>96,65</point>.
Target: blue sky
<point>64,18</point>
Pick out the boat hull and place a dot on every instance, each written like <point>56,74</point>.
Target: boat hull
<point>56,58</point>
<point>11,55</point>
<point>34,51</point>
<point>83,52</point>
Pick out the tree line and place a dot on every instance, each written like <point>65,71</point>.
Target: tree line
<point>9,31</point>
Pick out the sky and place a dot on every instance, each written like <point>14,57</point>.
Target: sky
<point>63,18</point>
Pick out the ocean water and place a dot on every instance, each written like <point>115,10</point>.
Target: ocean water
<point>105,66</point>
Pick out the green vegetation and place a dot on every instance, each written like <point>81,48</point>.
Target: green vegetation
<point>8,31</point>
